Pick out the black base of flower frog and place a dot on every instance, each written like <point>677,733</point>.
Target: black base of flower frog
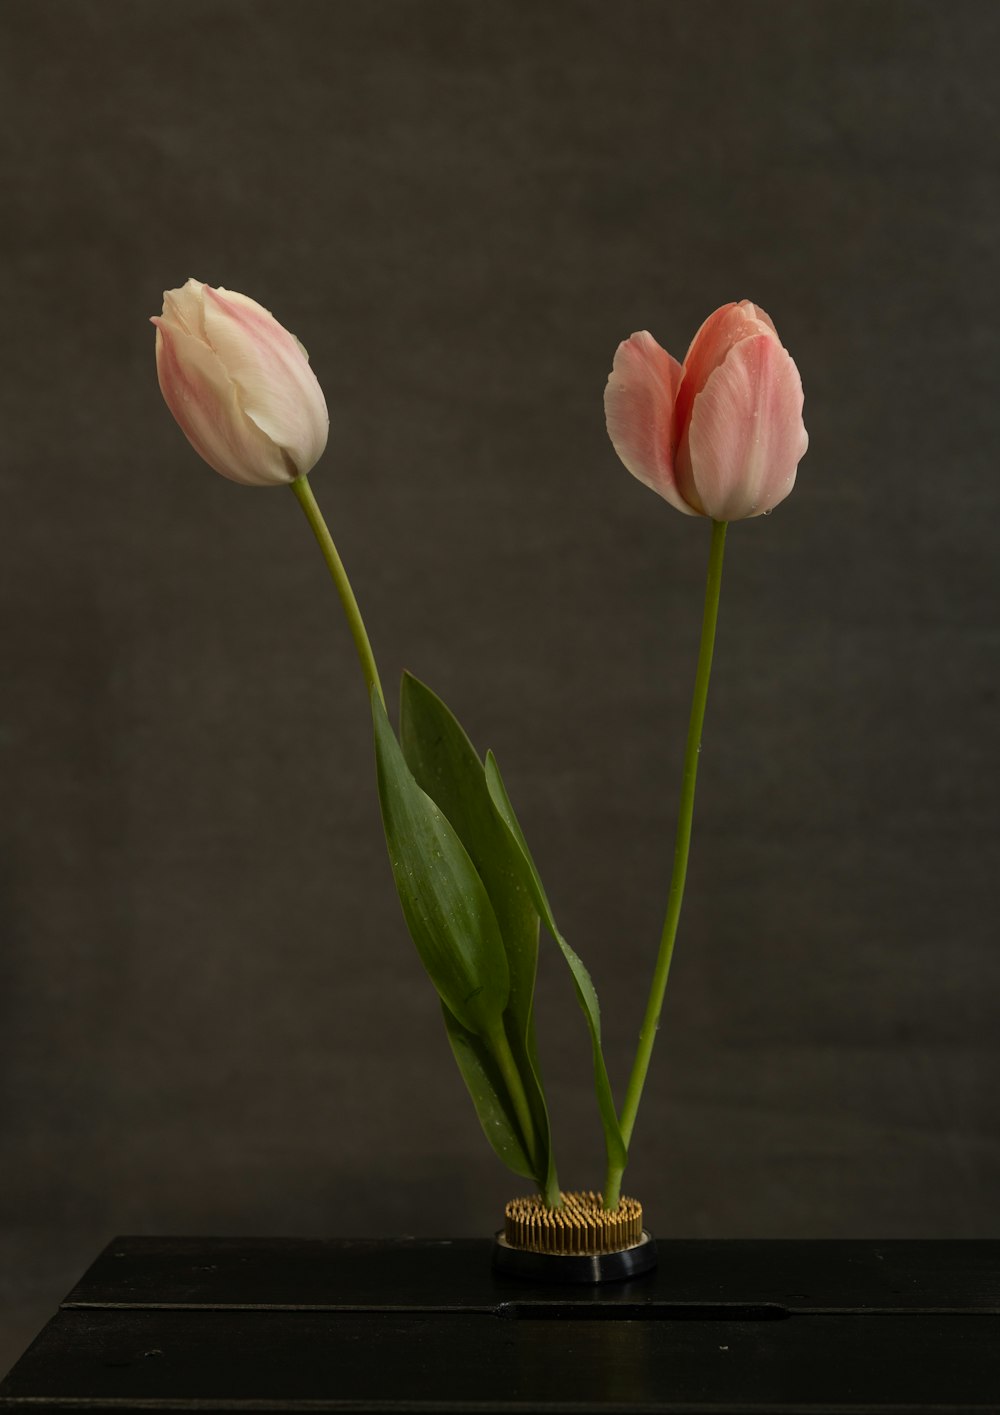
<point>575,1267</point>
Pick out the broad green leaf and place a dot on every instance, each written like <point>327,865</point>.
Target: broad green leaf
<point>447,767</point>
<point>585,991</point>
<point>444,901</point>
<point>489,1095</point>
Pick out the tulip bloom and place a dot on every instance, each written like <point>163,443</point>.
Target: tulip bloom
<point>239,385</point>
<point>720,435</point>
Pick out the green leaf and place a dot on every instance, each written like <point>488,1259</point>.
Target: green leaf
<point>445,903</point>
<point>447,767</point>
<point>585,991</point>
<point>489,1095</point>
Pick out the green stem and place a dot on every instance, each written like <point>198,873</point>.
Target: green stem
<point>500,1047</point>
<point>682,847</point>
<point>551,1192</point>
<point>613,1186</point>
<point>304,495</point>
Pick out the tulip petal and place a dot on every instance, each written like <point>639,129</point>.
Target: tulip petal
<point>277,389</point>
<point>639,409</point>
<point>721,330</point>
<point>760,314</point>
<point>184,306</point>
<point>746,435</point>
<point>204,401</point>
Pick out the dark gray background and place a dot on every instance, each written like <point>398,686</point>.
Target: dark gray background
<point>211,1017</point>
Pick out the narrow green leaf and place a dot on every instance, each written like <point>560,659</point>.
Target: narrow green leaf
<point>489,1096</point>
<point>549,1181</point>
<point>445,903</point>
<point>447,767</point>
<point>585,991</point>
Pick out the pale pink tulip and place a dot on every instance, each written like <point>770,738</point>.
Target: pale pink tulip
<point>720,436</point>
<point>239,385</point>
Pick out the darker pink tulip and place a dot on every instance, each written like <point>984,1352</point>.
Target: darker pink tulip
<point>720,436</point>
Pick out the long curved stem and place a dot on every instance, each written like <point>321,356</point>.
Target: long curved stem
<point>682,847</point>
<point>304,494</point>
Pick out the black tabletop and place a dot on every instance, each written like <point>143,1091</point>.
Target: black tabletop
<point>185,1324</point>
